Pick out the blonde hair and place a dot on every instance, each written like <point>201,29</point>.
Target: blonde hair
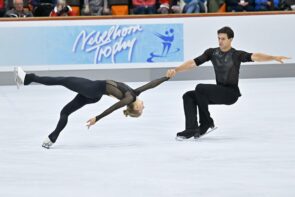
<point>130,111</point>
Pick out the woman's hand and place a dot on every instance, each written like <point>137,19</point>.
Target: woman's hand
<point>91,122</point>
<point>170,73</point>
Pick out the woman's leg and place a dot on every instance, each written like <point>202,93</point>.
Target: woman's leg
<point>78,102</point>
<point>88,88</point>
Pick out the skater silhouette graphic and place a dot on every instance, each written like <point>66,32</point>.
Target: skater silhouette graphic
<point>167,41</point>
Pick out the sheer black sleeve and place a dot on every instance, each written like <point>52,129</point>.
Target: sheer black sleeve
<point>206,56</point>
<point>150,85</point>
<point>245,56</point>
<point>123,102</point>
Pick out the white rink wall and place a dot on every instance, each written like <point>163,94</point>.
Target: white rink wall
<point>62,44</point>
<point>89,48</point>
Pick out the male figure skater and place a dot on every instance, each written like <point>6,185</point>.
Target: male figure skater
<point>226,62</point>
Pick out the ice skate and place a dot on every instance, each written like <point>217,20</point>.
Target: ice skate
<point>19,76</point>
<point>186,134</point>
<point>47,143</point>
<point>205,130</point>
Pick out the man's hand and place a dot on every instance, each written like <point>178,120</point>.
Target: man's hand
<point>91,122</point>
<point>170,73</point>
<point>281,59</point>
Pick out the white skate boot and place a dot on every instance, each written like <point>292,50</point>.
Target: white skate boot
<point>19,76</point>
<point>47,143</point>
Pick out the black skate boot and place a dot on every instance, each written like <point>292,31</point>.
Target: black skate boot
<point>186,134</point>
<point>204,129</point>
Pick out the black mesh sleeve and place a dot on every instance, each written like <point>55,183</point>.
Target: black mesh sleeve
<point>244,56</point>
<point>123,102</point>
<point>150,85</point>
<point>206,56</point>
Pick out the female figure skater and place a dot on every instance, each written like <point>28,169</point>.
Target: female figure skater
<point>89,92</point>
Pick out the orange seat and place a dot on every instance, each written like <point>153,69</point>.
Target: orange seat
<point>222,8</point>
<point>120,10</point>
<point>76,10</point>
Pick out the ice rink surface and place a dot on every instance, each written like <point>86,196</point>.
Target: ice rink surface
<point>252,153</point>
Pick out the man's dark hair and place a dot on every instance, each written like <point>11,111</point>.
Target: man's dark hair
<point>226,30</point>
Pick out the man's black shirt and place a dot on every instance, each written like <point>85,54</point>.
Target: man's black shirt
<point>226,64</point>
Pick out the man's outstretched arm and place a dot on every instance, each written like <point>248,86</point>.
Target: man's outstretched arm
<point>192,63</point>
<point>182,68</point>
<point>260,57</point>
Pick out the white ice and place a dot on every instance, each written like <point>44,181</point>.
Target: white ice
<point>252,153</point>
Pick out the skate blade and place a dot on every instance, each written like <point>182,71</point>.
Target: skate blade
<point>209,131</point>
<point>180,138</point>
<point>177,138</point>
<point>47,146</point>
<point>193,138</point>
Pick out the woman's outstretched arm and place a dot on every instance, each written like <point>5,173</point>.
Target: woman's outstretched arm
<point>150,85</point>
<point>123,102</point>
